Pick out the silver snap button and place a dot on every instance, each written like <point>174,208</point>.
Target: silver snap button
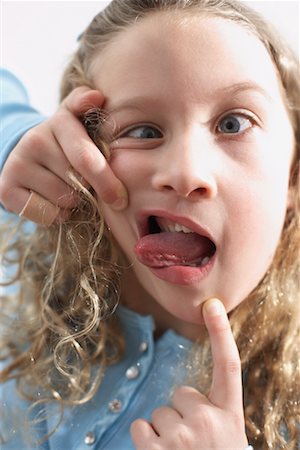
<point>143,346</point>
<point>132,372</point>
<point>89,438</point>
<point>115,405</point>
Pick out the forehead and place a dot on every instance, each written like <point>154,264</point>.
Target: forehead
<point>198,55</point>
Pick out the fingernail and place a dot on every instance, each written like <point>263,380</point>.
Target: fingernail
<point>213,307</point>
<point>119,204</point>
<point>122,200</point>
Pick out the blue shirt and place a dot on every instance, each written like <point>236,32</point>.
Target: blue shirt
<point>16,115</point>
<point>142,381</point>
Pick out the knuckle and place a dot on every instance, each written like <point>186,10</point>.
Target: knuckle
<point>159,413</point>
<point>233,365</point>
<point>140,437</point>
<point>182,391</point>
<point>73,101</point>
<point>156,413</point>
<point>135,426</point>
<point>83,158</point>
<point>229,366</point>
<point>34,139</point>
<point>3,192</point>
<point>222,327</point>
<point>79,91</point>
<point>203,418</point>
<point>60,118</point>
<point>13,173</point>
<point>14,166</point>
<point>183,436</point>
<point>6,192</point>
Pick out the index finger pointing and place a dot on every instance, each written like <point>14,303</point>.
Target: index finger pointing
<point>226,388</point>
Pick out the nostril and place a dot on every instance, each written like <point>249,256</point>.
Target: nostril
<point>168,188</point>
<point>190,187</point>
<point>202,191</point>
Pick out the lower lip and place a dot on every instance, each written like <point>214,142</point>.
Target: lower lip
<point>183,275</point>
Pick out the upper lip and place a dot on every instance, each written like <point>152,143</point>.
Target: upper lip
<point>143,226</point>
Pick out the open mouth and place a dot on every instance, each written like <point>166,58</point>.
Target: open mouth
<point>165,243</point>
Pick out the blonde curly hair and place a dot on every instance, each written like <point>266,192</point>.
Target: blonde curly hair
<point>69,275</point>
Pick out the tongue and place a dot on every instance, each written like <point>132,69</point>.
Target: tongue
<point>167,249</point>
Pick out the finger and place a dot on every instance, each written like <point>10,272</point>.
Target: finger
<point>43,149</point>
<point>143,435</point>
<point>13,198</point>
<point>164,419</point>
<point>39,149</point>
<point>81,99</point>
<point>226,389</point>
<point>39,210</point>
<point>85,157</point>
<point>20,198</point>
<point>48,185</point>
<point>187,399</point>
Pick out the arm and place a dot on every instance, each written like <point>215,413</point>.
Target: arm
<point>17,116</point>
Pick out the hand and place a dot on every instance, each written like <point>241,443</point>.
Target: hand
<point>42,159</point>
<point>195,421</point>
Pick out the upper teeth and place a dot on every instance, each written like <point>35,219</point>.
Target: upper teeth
<point>166,225</point>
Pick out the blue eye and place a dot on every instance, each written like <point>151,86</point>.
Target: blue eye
<point>234,124</point>
<point>143,132</point>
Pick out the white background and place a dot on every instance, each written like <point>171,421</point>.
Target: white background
<point>38,37</point>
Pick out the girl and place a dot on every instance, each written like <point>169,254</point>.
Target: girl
<point>202,127</point>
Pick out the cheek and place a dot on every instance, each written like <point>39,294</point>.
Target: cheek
<point>119,226</point>
<point>132,167</point>
<point>257,221</point>
<point>123,162</point>
<point>262,188</point>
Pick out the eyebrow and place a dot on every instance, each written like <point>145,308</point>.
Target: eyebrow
<point>140,103</point>
<point>241,87</point>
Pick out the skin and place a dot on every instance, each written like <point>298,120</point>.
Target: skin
<point>43,157</point>
<point>182,86</point>
<point>225,183</point>
<point>212,422</point>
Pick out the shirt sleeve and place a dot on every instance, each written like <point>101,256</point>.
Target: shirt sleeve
<point>17,116</point>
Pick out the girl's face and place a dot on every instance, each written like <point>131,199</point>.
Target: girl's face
<point>202,140</point>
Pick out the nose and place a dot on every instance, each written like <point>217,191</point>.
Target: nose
<point>187,167</point>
